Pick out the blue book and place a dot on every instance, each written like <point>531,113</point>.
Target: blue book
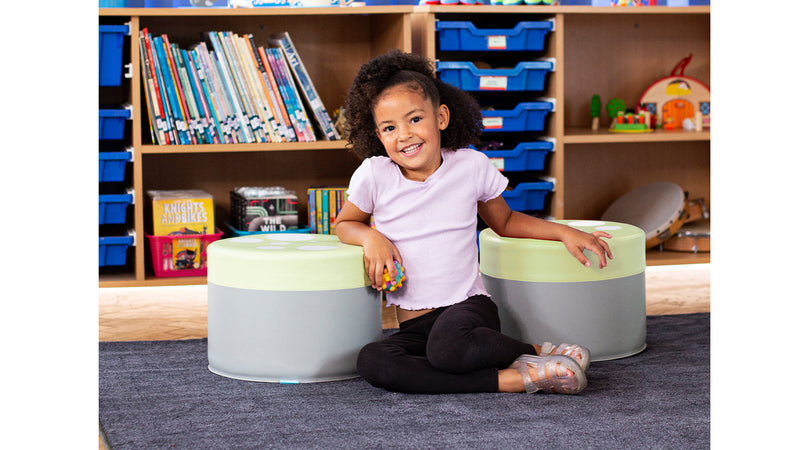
<point>169,85</point>
<point>293,94</point>
<point>206,123</point>
<point>208,104</point>
<point>320,113</point>
<point>243,124</point>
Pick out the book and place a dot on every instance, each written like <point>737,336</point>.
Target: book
<point>156,134</point>
<point>181,97</point>
<point>258,87</point>
<point>266,90</point>
<point>324,204</point>
<point>160,101</point>
<point>216,92</point>
<point>239,77</point>
<point>309,92</point>
<point>241,124</point>
<point>207,99</point>
<point>293,102</point>
<point>196,130</point>
<point>165,77</point>
<point>285,122</point>
<point>205,124</point>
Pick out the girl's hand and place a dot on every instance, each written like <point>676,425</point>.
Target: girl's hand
<point>380,254</point>
<point>577,241</point>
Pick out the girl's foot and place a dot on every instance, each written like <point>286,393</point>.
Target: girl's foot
<point>553,374</point>
<point>580,354</point>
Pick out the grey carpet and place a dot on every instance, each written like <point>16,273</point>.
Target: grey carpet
<point>160,394</point>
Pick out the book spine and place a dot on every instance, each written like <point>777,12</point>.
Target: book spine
<point>264,89</point>
<point>287,99</point>
<point>312,209</point>
<point>242,125</point>
<point>205,99</point>
<point>307,87</point>
<point>291,88</point>
<point>245,97</point>
<point>165,79</point>
<point>205,122</point>
<point>181,101</point>
<point>196,130</point>
<point>161,102</point>
<point>223,109</point>
<point>257,86</point>
<point>286,123</point>
<point>332,210</point>
<point>156,134</point>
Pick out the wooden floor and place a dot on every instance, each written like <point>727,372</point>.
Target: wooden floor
<point>180,312</point>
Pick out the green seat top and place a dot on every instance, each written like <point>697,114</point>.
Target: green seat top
<point>286,262</point>
<point>549,261</point>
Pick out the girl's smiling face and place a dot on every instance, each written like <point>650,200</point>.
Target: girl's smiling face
<point>409,127</point>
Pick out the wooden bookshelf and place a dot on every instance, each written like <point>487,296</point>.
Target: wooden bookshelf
<point>613,52</point>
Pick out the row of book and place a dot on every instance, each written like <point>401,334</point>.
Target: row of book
<point>324,203</point>
<point>234,92</point>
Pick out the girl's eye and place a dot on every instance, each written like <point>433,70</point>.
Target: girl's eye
<point>388,129</point>
<point>416,119</point>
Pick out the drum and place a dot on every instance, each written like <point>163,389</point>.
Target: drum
<point>693,237</point>
<point>657,208</point>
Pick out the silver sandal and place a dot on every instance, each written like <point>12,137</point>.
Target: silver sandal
<point>580,354</point>
<point>560,384</point>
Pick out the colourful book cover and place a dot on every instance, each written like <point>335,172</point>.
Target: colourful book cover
<point>320,113</point>
<point>242,125</point>
<point>169,85</point>
<point>156,135</point>
<point>282,69</point>
<point>291,136</point>
<point>161,102</point>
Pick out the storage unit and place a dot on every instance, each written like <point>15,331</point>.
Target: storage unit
<point>111,42</point>
<point>526,116</point>
<point>525,76</point>
<point>112,122</point>
<point>334,42</point>
<point>528,196</point>
<point>112,165</point>
<point>114,208</point>
<point>114,250</point>
<point>525,156</point>
<point>608,52</point>
<point>465,36</point>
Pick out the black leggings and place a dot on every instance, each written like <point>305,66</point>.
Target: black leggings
<point>454,349</point>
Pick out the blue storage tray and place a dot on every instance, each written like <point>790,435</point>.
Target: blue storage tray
<point>525,76</point>
<point>528,196</point>
<point>112,165</point>
<point>114,250</point>
<point>114,208</point>
<point>463,35</point>
<point>526,116</point>
<point>112,123</point>
<point>112,38</point>
<point>525,156</point>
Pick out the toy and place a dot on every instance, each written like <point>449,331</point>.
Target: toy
<point>398,281</point>
<point>594,110</point>
<point>677,97</point>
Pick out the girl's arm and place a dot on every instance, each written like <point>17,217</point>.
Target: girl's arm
<point>352,227</point>
<point>508,223</point>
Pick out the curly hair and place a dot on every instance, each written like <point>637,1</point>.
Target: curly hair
<point>418,73</point>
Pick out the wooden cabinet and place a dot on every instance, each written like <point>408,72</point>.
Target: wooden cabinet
<point>333,43</point>
<point>612,52</point>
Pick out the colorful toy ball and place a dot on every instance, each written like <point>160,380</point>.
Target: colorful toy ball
<point>387,281</point>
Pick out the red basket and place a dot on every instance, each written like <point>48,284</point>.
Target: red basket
<point>181,255</point>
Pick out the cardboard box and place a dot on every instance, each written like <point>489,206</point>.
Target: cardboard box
<point>182,212</point>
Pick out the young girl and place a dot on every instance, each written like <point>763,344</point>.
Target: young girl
<point>424,190</point>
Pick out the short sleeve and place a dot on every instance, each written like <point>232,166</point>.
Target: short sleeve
<point>490,182</point>
<point>362,188</point>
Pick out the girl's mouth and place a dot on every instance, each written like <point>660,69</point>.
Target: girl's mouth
<point>411,150</point>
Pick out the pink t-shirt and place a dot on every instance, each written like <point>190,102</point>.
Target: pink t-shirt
<point>432,223</point>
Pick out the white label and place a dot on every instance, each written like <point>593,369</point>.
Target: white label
<point>493,83</point>
<point>500,163</point>
<point>492,123</point>
<point>497,42</point>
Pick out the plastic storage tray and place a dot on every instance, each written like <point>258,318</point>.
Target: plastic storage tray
<point>112,123</point>
<point>111,44</point>
<point>114,207</point>
<point>112,165</point>
<point>166,263</point>
<point>462,35</point>
<point>114,250</point>
<point>525,156</point>
<point>528,196</point>
<point>526,116</point>
<point>525,76</point>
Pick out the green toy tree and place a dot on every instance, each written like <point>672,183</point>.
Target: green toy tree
<point>594,110</point>
<point>614,107</point>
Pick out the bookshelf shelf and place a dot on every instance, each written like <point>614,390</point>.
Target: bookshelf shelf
<point>592,168</point>
<point>234,148</point>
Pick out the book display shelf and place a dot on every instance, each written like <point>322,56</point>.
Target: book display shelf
<point>613,52</point>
